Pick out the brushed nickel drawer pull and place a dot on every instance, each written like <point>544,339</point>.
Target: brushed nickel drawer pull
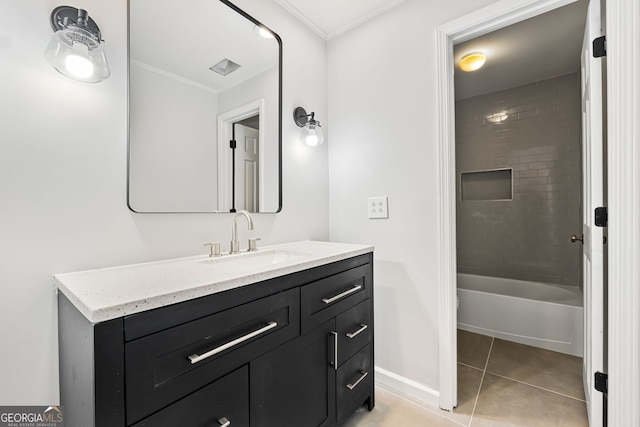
<point>224,422</point>
<point>195,358</point>
<point>354,385</point>
<point>352,335</point>
<point>342,295</point>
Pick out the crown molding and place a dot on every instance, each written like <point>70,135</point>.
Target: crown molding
<point>328,36</point>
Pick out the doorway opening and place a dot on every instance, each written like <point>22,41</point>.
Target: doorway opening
<point>240,154</point>
<point>456,32</point>
<point>519,276</point>
<point>518,135</point>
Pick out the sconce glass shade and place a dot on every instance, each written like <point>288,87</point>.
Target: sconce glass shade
<point>75,49</point>
<point>311,134</point>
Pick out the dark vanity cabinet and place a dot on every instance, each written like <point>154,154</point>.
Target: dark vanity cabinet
<point>295,350</point>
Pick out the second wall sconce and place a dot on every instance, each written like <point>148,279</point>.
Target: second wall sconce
<point>76,49</point>
<point>311,134</point>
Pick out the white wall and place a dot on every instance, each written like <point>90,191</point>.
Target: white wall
<point>382,142</point>
<point>173,150</point>
<point>63,179</point>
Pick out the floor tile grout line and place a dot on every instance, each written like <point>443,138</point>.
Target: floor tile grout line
<point>472,367</point>
<point>536,386</point>
<point>484,373</point>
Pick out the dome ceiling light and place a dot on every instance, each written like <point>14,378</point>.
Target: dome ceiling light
<point>472,61</point>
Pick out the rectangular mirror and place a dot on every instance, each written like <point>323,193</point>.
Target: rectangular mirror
<point>205,90</point>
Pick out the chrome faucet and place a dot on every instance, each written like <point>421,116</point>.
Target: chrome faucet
<point>234,248</point>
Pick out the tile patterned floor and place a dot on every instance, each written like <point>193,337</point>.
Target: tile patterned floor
<point>500,384</point>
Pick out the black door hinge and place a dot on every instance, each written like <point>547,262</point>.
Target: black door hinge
<point>599,47</point>
<point>232,144</point>
<point>601,382</point>
<point>601,215</point>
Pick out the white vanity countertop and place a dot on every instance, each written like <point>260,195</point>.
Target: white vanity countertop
<point>114,292</point>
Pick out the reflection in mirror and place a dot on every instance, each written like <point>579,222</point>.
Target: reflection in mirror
<point>204,109</point>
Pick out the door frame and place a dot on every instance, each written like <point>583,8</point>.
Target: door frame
<point>623,186</point>
<point>623,106</point>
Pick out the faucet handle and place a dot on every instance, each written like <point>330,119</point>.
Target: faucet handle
<point>253,244</point>
<point>214,249</point>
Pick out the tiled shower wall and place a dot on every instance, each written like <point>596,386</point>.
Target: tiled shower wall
<point>535,130</point>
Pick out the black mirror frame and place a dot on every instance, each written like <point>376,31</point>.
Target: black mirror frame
<point>280,51</point>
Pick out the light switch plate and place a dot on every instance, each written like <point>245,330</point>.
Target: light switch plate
<point>378,207</point>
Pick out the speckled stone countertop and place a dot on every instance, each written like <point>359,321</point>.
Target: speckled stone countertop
<point>114,292</point>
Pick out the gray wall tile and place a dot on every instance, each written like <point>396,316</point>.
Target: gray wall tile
<point>526,238</point>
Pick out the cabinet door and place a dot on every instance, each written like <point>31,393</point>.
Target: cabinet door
<point>294,385</point>
<point>224,402</point>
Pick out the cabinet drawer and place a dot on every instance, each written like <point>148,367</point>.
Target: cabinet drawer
<point>354,383</point>
<point>227,399</point>
<point>166,366</point>
<point>325,298</point>
<point>355,330</point>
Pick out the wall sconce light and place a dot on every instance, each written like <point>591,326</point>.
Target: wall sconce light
<point>75,49</point>
<point>472,61</point>
<point>311,134</point>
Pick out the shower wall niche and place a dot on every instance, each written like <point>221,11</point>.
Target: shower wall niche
<point>486,185</point>
<point>534,133</point>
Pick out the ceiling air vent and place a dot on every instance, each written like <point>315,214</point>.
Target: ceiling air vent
<point>225,67</point>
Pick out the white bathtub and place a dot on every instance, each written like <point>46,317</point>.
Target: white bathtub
<point>538,314</point>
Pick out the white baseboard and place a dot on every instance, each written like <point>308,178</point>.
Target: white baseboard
<point>408,388</point>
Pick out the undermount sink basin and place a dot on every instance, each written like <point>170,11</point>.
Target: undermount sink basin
<point>253,260</point>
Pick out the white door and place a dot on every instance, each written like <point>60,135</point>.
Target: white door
<point>247,154</point>
<point>593,254</point>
